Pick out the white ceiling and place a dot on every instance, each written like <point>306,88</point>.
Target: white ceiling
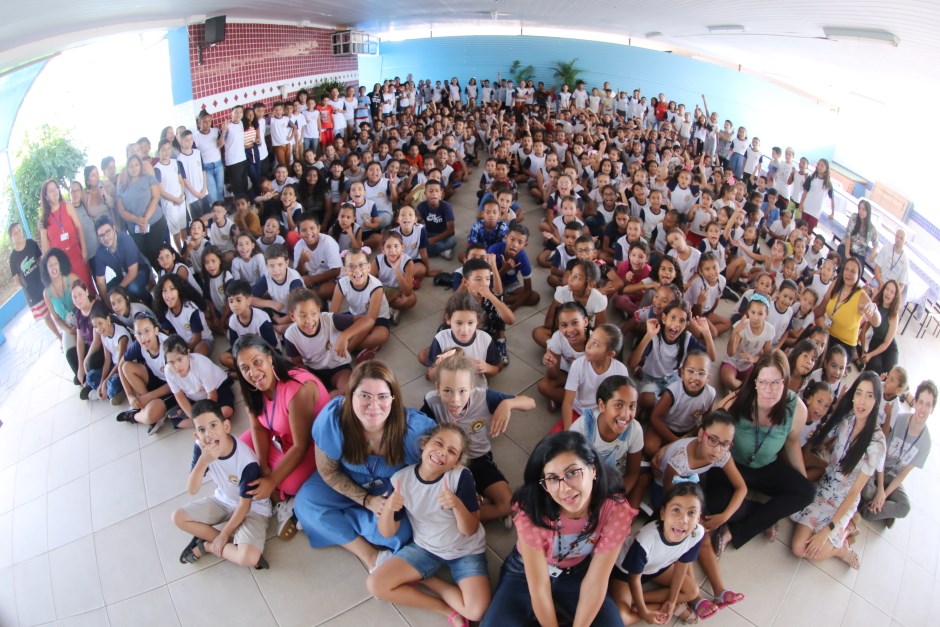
<point>783,40</point>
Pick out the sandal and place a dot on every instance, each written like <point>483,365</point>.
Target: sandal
<point>188,556</point>
<point>456,620</point>
<point>728,597</point>
<point>262,564</point>
<point>852,559</point>
<point>688,615</point>
<point>719,540</point>
<point>705,608</point>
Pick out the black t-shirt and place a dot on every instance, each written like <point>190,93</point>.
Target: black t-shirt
<point>25,264</point>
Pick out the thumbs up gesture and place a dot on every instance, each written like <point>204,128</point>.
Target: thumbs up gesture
<point>447,498</point>
<point>396,499</point>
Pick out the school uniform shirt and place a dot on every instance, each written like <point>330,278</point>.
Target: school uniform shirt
<point>596,303</point>
<point>905,449</point>
<point>191,278</point>
<point>750,343</point>
<point>614,453</point>
<point>208,145</point>
<point>316,350</point>
<point>752,160</point>
<point>819,287</point>
<point>195,254</point>
<point>523,268</point>
<point>128,321</point>
<point>215,290</point>
<point>323,258</point>
<point>683,199</point>
<point>250,270</point>
<point>688,266</point>
<point>481,347</point>
<point>380,194</point>
<point>676,456</point>
<point>780,320</point>
<point>263,247</point>
<point>687,409</point>
<point>113,344</point>
<point>706,247</point>
<point>661,358</point>
<point>583,380</point>
<point>434,528</point>
<point>278,292</point>
<point>817,196</point>
<point>204,376</point>
<point>560,346</point>
<point>365,212</point>
<point>189,321</point>
<point>259,323</point>
<point>560,257</point>
<point>648,552</point>
<point>155,363</point>
<point>193,171</point>
<point>387,275</point>
<point>358,298</point>
<point>221,236</point>
<point>712,293</point>
<point>474,420</point>
<point>817,375</point>
<point>234,143</point>
<point>233,476</point>
<point>565,545</point>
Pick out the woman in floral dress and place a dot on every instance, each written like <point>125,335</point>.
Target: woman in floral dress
<point>857,452</point>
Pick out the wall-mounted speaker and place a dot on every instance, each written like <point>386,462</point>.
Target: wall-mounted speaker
<point>215,30</point>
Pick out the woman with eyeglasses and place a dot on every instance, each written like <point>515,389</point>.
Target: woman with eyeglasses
<point>768,419</point>
<point>361,440</point>
<point>282,400</point>
<point>572,519</point>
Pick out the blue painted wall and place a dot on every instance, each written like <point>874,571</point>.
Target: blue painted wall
<point>181,80</point>
<point>776,115</point>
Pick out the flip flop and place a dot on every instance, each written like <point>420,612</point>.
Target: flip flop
<point>456,620</point>
<point>705,608</point>
<point>728,597</point>
<point>719,543</point>
<point>188,556</point>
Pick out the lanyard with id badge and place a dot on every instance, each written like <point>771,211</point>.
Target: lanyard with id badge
<point>269,418</point>
<point>375,485</point>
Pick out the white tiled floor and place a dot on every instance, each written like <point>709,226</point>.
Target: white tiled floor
<point>86,537</point>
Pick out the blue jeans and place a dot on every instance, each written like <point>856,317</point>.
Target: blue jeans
<point>512,604</point>
<point>93,380</point>
<point>311,143</point>
<point>736,163</point>
<point>136,288</point>
<point>437,248</point>
<point>215,181</point>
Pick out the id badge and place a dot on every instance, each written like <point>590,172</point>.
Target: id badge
<point>554,571</point>
<point>276,441</point>
<point>64,237</point>
<point>373,485</point>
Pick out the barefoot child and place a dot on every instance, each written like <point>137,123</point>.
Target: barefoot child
<point>232,466</point>
<point>439,498</point>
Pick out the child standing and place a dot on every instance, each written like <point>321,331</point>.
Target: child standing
<point>224,458</point>
<point>481,413</point>
<point>438,496</point>
<point>24,267</point>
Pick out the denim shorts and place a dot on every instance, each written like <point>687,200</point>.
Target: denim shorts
<point>426,563</point>
<point>656,385</point>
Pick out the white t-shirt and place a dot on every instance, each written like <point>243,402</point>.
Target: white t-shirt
<point>584,381</point>
<point>750,343</point>
<point>613,453</point>
<point>208,145</point>
<point>204,376</point>
<point>596,303</point>
<point>195,174</point>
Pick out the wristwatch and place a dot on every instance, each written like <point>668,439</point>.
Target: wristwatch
<point>832,526</point>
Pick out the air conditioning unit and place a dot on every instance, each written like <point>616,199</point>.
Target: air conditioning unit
<point>347,43</point>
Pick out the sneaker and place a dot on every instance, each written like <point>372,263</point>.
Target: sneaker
<point>155,427</point>
<point>730,294</point>
<point>394,315</point>
<point>84,393</point>
<point>286,521</point>
<point>366,355</point>
<point>127,416</point>
<point>382,557</point>
<point>447,254</point>
<point>503,351</point>
<point>94,396</point>
<point>119,399</point>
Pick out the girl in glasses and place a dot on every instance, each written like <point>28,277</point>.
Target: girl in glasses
<point>682,404</point>
<point>364,297</point>
<point>571,521</point>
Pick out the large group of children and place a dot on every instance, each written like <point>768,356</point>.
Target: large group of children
<point>650,214</point>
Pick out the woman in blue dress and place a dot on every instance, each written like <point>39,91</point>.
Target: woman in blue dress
<point>361,439</point>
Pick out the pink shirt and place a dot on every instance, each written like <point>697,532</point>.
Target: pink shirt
<point>275,416</point>
<point>562,546</point>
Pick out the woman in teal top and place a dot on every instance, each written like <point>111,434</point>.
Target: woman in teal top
<point>767,452</point>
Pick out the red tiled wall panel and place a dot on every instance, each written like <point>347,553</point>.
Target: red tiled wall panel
<point>255,59</point>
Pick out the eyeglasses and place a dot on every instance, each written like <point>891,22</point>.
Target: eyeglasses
<point>551,483</point>
<point>357,266</point>
<point>714,441</point>
<point>763,384</point>
<point>696,373</point>
<point>367,399</point>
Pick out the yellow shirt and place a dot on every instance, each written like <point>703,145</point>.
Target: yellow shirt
<point>846,319</point>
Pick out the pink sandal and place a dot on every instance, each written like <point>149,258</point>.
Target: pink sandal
<point>705,608</point>
<point>728,597</point>
<point>456,620</point>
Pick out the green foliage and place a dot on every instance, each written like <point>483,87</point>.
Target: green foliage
<point>567,72</point>
<point>324,89</point>
<point>520,73</point>
<point>47,153</point>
